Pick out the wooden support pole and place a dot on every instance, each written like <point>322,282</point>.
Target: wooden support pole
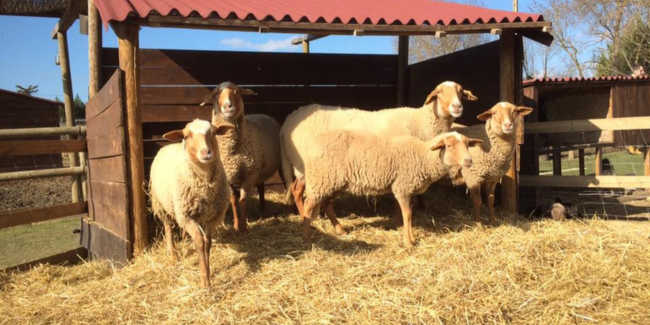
<point>507,93</point>
<point>94,50</point>
<point>402,69</point>
<point>581,161</point>
<point>599,161</point>
<point>128,42</point>
<point>646,161</point>
<point>41,132</point>
<point>68,102</point>
<point>42,173</point>
<point>305,46</point>
<point>557,162</point>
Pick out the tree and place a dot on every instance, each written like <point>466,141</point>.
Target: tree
<point>29,90</point>
<point>422,48</point>
<point>632,49</point>
<point>78,108</point>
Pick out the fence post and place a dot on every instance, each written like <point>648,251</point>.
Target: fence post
<point>62,39</point>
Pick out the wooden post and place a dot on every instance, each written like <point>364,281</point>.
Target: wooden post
<point>305,46</point>
<point>599,161</point>
<point>646,161</point>
<point>557,162</point>
<point>128,43</point>
<point>94,50</point>
<point>581,161</point>
<point>507,93</point>
<point>402,69</point>
<point>68,102</point>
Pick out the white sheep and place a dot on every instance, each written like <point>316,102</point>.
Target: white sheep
<point>440,109</point>
<point>492,159</point>
<point>361,163</point>
<point>250,152</point>
<point>188,185</point>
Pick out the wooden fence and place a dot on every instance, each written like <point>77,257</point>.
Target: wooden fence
<point>11,147</point>
<point>598,181</point>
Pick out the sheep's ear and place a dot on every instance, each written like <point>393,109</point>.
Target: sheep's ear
<point>485,115</point>
<point>209,99</point>
<point>245,91</point>
<point>432,96</point>
<point>523,111</point>
<point>474,142</point>
<point>437,143</point>
<point>467,95</point>
<point>174,136</point>
<point>222,129</point>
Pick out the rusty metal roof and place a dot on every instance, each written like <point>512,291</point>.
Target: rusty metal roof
<point>364,12</point>
<point>578,80</point>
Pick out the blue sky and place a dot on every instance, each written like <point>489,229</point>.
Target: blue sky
<point>28,53</point>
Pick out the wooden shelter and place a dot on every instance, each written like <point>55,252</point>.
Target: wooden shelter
<point>147,92</point>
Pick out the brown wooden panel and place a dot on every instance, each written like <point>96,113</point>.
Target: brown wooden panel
<point>106,122</point>
<point>35,147</point>
<point>476,69</point>
<point>109,206</point>
<point>358,95</point>
<point>110,169</point>
<point>22,217</point>
<point>173,113</point>
<point>70,257</point>
<point>104,244</point>
<point>107,95</point>
<point>629,100</point>
<point>107,145</point>
<point>174,67</point>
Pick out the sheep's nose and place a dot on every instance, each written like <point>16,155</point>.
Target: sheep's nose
<point>507,124</point>
<point>227,105</point>
<point>467,162</point>
<point>207,153</point>
<point>457,105</point>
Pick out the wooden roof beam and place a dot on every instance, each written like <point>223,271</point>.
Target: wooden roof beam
<point>306,38</point>
<point>70,15</point>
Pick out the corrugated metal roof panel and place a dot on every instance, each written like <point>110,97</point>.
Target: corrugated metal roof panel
<point>571,80</point>
<point>368,12</point>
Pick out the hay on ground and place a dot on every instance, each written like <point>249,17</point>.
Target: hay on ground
<point>546,272</point>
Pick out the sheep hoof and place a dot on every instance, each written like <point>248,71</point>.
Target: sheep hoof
<point>340,231</point>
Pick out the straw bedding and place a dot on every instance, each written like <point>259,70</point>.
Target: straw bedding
<point>546,272</point>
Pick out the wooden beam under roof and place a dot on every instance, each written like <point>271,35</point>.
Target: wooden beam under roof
<point>343,29</point>
<point>70,15</point>
<point>306,38</point>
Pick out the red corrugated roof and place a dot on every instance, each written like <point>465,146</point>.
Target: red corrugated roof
<point>568,80</point>
<point>369,12</point>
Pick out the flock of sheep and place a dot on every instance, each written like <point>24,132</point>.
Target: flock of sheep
<point>323,151</point>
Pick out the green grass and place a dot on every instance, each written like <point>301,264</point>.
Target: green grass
<point>623,162</point>
<point>34,241</point>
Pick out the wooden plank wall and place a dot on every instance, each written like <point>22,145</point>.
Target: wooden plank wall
<point>174,82</point>
<point>106,233</point>
<point>20,111</point>
<point>476,69</point>
<point>631,100</point>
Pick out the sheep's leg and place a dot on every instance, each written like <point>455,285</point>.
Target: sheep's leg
<point>199,243</point>
<point>405,205</point>
<point>210,227</point>
<point>490,193</point>
<point>233,204</point>
<point>260,191</point>
<point>242,209</point>
<point>298,189</point>
<point>170,240</point>
<point>475,193</point>
<point>329,211</point>
<point>397,214</point>
<point>311,209</point>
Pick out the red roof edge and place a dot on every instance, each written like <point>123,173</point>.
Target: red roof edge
<point>569,80</point>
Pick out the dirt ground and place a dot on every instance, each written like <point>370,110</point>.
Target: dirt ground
<point>35,193</point>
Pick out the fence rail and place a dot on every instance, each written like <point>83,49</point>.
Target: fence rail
<point>22,217</point>
<point>603,124</point>
<point>41,132</point>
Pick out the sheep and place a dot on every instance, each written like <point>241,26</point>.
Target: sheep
<point>559,210</point>
<point>188,185</point>
<point>250,152</point>
<point>492,159</point>
<point>365,164</point>
<point>440,109</point>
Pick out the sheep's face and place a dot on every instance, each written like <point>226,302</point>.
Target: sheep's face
<point>199,140</point>
<point>454,148</point>
<point>504,117</point>
<point>448,99</point>
<point>228,102</point>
